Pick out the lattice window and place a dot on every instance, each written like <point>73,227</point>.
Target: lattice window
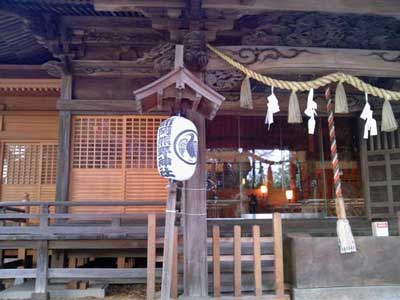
<point>49,164</point>
<point>97,142</point>
<point>21,163</point>
<point>141,147</point>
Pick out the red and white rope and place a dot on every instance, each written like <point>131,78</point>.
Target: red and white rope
<point>332,139</point>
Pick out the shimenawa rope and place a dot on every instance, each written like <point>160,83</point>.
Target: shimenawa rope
<point>307,85</point>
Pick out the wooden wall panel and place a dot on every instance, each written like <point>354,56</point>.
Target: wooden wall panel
<point>30,126</point>
<point>114,159</point>
<point>28,172</point>
<point>96,185</point>
<point>143,185</point>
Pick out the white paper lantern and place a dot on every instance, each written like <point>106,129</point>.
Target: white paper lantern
<point>177,147</point>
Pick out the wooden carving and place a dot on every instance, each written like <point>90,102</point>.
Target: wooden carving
<point>313,29</point>
<point>195,56</point>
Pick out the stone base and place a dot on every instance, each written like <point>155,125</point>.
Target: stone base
<point>40,296</point>
<point>56,291</point>
<point>348,293</point>
<point>243,297</point>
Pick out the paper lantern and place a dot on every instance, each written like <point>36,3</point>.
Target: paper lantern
<point>177,147</point>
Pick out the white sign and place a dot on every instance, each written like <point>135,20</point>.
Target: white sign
<point>177,147</point>
<point>380,229</point>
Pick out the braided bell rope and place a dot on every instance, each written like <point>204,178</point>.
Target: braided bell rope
<point>312,84</point>
<point>333,145</point>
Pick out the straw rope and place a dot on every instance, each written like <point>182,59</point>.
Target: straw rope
<point>307,85</point>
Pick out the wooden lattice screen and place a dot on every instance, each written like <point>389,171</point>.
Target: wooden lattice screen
<point>29,168</point>
<point>114,159</point>
<point>380,163</point>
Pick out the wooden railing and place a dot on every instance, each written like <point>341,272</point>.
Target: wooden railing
<point>355,207</point>
<point>46,231</point>
<point>257,257</point>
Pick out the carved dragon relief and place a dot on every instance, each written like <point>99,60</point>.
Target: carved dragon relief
<point>313,29</point>
<point>161,57</point>
<point>385,56</point>
<point>222,80</point>
<point>261,54</point>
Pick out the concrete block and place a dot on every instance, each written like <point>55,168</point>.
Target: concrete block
<point>348,293</point>
<point>40,296</point>
<point>56,291</point>
<point>317,262</point>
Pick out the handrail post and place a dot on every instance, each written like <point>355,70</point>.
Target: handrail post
<point>42,270</point>
<point>151,256</point>
<point>278,254</point>
<point>398,223</point>
<point>44,215</point>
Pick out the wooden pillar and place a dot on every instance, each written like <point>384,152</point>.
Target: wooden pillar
<point>42,269</point>
<point>195,280</point>
<point>64,145</point>
<point>63,159</point>
<point>151,256</point>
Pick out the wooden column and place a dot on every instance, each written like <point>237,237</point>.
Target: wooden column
<point>41,273</point>
<point>64,144</point>
<point>168,243</point>
<point>195,280</point>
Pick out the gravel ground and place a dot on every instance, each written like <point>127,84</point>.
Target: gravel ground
<point>121,292</point>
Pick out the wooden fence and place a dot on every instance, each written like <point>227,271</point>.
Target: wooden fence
<point>62,231</point>
<point>237,258</point>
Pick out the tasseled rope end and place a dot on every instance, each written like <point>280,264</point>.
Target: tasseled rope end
<point>294,114</point>
<point>341,105</point>
<point>246,100</point>
<point>345,237</point>
<point>389,122</point>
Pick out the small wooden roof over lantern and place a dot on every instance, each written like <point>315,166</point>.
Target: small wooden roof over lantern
<point>179,84</point>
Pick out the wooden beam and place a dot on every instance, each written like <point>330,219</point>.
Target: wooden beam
<point>30,84</point>
<point>381,7</point>
<point>81,273</point>
<point>275,60</point>
<point>113,68</point>
<point>375,7</point>
<point>98,105</point>
<point>128,5</point>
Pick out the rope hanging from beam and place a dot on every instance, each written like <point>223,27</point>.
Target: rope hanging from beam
<point>312,84</point>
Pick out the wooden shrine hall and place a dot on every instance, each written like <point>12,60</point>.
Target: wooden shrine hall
<point>296,108</point>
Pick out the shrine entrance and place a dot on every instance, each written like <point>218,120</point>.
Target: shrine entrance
<point>253,170</point>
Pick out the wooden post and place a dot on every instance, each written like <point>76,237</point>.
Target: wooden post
<point>121,262</point>
<point>398,223</point>
<point>257,261</point>
<point>278,254</point>
<point>237,261</point>
<point>63,158</point>
<point>151,257</point>
<point>195,280</point>
<point>168,242</point>
<point>64,145</point>
<point>175,274</point>
<point>41,292</point>
<point>216,262</point>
